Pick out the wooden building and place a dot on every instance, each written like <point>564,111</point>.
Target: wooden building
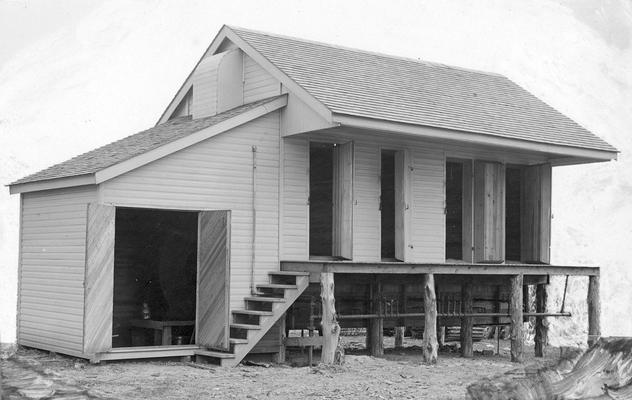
<point>422,190</point>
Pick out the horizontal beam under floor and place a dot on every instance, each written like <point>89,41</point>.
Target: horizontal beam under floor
<point>350,267</point>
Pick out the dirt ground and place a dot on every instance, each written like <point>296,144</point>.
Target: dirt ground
<point>399,375</point>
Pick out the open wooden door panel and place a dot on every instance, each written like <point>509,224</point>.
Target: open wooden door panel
<point>343,200</point>
<point>213,280</point>
<point>536,214</point>
<point>99,279</point>
<point>400,205</point>
<point>489,212</point>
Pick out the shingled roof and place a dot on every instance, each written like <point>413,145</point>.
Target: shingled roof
<point>134,145</point>
<point>365,84</point>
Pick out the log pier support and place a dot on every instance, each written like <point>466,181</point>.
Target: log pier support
<point>516,316</point>
<point>594,309</point>
<point>430,346</point>
<point>375,326</point>
<point>541,323</point>
<point>467,348</point>
<point>399,336</point>
<point>329,322</point>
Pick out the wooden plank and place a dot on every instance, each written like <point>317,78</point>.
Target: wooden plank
<point>467,213</point>
<point>316,267</point>
<point>541,323</point>
<point>400,205</point>
<point>213,279</point>
<point>343,201</point>
<point>594,310</point>
<point>489,212</point>
<point>430,345</point>
<point>99,281</point>
<point>467,349</point>
<point>535,237</point>
<point>515,310</point>
<point>329,323</point>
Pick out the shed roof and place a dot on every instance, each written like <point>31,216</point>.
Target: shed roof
<point>137,144</point>
<point>365,84</point>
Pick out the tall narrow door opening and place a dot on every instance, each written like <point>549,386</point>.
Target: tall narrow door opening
<point>387,205</point>
<point>321,180</point>
<point>454,211</point>
<point>513,207</point>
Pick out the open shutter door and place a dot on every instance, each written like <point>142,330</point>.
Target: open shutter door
<point>400,205</point>
<point>213,279</point>
<point>489,212</point>
<point>343,201</point>
<point>535,219</point>
<point>99,279</point>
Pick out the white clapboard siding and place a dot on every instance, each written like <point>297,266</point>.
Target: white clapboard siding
<point>427,217</point>
<point>366,217</point>
<point>295,211</point>
<point>204,97</point>
<point>216,174</point>
<point>52,267</point>
<point>258,83</point>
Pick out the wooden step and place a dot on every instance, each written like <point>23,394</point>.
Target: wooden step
<point>254,312</point>
<point>215,354</point>
<point>276,286</point>
<point>289,273</point>
<point>238,341</point>
<point>245,326</point>
<point>265,299</point>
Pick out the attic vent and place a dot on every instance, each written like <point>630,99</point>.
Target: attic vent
<point>217,84</point>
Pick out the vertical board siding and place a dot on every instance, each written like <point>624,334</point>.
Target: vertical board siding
<point>343,201</point>
<point>258,83</point>
<point>366,188</point>
<point>536,213</point>
<point>489,211</point>
<point>427,180</point>
<point>52,266</point>
<point>216,174</point>
<point>295,211</point>
<point>213,277</point>
<point>99,278</point>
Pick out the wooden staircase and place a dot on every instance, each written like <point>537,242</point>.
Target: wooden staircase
<point>261,312</point>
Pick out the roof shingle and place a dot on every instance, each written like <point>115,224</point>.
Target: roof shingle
<point>134,145</point>
<point>365,84</point>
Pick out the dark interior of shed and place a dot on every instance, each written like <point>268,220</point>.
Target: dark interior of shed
<point>155,271</point>
<point>512,213</point>
<point>321,159</point>
<point>454,211</point>
<point>387,205</point>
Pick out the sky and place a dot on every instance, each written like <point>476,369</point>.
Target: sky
<point>78,74</point>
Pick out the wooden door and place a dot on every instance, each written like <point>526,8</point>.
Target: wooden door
<point>535,215</point>
<point>213,280</point>
<point>343,201</point>
<point>489,212</point>
<point>99,279</point>
<point>400,205</point>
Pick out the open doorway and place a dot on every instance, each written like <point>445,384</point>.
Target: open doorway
<point>321,181</point>
<point>387,205</point>
<point>454,211</point>
<point>155,270</point>
<point>513,207</point>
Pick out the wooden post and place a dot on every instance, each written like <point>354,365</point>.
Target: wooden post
<point>280,357</point>
<point>375,333</point>
<point>399,336</point>
<point>541,323</point>
<point>429,345</point>
<point>329,323</point>
<point>467,349</point>
<point>516,315</point>
<point>526,304</point>
<point>594,310</point>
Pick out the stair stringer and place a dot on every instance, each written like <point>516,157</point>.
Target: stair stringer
<point>241,350</point>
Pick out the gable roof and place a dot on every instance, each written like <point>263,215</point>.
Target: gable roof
<point>369,85</point>
<point>149,140</point>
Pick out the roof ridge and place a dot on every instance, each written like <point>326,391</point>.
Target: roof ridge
<point>357,50</point>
